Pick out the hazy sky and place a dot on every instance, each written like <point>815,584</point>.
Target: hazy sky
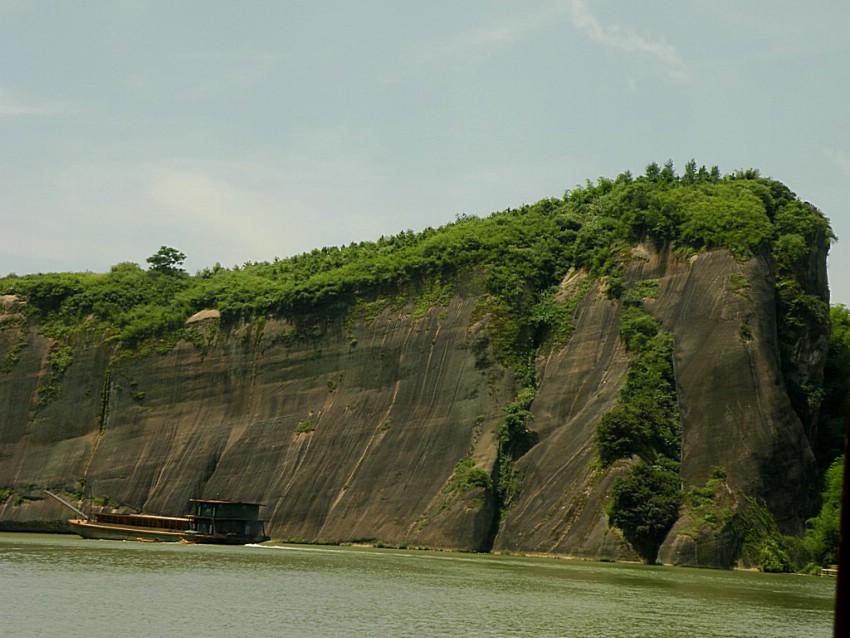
<point>242,131</point>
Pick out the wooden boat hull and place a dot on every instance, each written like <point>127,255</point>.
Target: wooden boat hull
<point>111,531</point>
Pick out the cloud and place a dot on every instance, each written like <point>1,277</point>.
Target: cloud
<point>840,159</point>
<point>11,106</point>
<point>221,208</point>
<point>627,40</point>
<point>490,37</point>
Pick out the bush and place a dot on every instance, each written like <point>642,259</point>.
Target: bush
<point>725,215</point>
<point>822,534</point>
<point>644,505</point>
<point>304,427</point>
<point>468,476</point>
<point>645,420</point>
<point>637,328</point>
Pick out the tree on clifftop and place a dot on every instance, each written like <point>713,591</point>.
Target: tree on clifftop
<point>167,261</point>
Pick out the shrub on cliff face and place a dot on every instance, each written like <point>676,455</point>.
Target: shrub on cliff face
<point>468,476</point>
<point>711,507</point>
<point>763,544</point>
<point>800,232</point>
<point>637,328</point>
<point>823,530</point>
<point>644,504</point>
<point>829,441</point>
<point>645,422</point>
<point>514,440</point>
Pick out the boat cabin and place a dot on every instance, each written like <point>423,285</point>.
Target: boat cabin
<point>219,521</point>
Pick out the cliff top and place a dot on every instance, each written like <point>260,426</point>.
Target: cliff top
<point>521,254</point>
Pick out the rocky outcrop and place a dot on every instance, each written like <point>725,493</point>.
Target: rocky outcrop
<point>351,429</point>
<point>735,412</point>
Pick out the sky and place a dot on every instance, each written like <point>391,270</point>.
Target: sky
<point>245,131</point>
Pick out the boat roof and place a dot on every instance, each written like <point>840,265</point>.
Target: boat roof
<point>155,517</point>
<point>223,501</point>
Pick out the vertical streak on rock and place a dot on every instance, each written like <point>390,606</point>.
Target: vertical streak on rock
<point>103,417</point>
<point>678,404</point>
<point>376,434</point>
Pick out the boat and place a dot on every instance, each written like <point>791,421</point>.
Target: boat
<point>224,522</point>
<point>131,527</point>
<point>210,521</point>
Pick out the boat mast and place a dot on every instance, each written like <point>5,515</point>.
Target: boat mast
<point>62,501</point>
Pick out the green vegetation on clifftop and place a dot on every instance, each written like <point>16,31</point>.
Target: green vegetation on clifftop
<point>522,255</point>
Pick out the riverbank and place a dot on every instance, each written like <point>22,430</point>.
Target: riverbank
<point>36,527</point>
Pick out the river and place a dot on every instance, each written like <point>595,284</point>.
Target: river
<point>55,585</point>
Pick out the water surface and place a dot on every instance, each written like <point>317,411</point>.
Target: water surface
<point>53,585</point>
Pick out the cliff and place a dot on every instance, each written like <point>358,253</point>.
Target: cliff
<point>735,414</point>
<point>371,417</point>
<point>354,434</point>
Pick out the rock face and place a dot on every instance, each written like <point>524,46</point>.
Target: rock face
<point>354,433</point>
<point>735,412</point>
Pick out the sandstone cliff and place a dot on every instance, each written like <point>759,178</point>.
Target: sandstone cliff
<point>734,409</point>
<point>354,432</point>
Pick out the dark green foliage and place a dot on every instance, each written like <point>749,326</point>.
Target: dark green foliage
<point>800,232</point>
<point>167,260</point>
<point>763,544</point>
<point>772,557</point>
<point>645,289</point>
<point>515,439</point>
<point>468,476</point>
<point>645,504</point>
<point>645,420</point>
<point>10,360</point>
<point>514,436</point>
<point>637,328</point>
<point>829,441</point>
<point>823,531</point>
<point>47,293</point>
<point>148,321</point>
<point>710,506</point>
<point>61,356</point>
<point>304,427</point>
<point>551,319</point>
<point>727,215</point>
<point>520,255</point>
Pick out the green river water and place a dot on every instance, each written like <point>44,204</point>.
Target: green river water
<point>54,585</point>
